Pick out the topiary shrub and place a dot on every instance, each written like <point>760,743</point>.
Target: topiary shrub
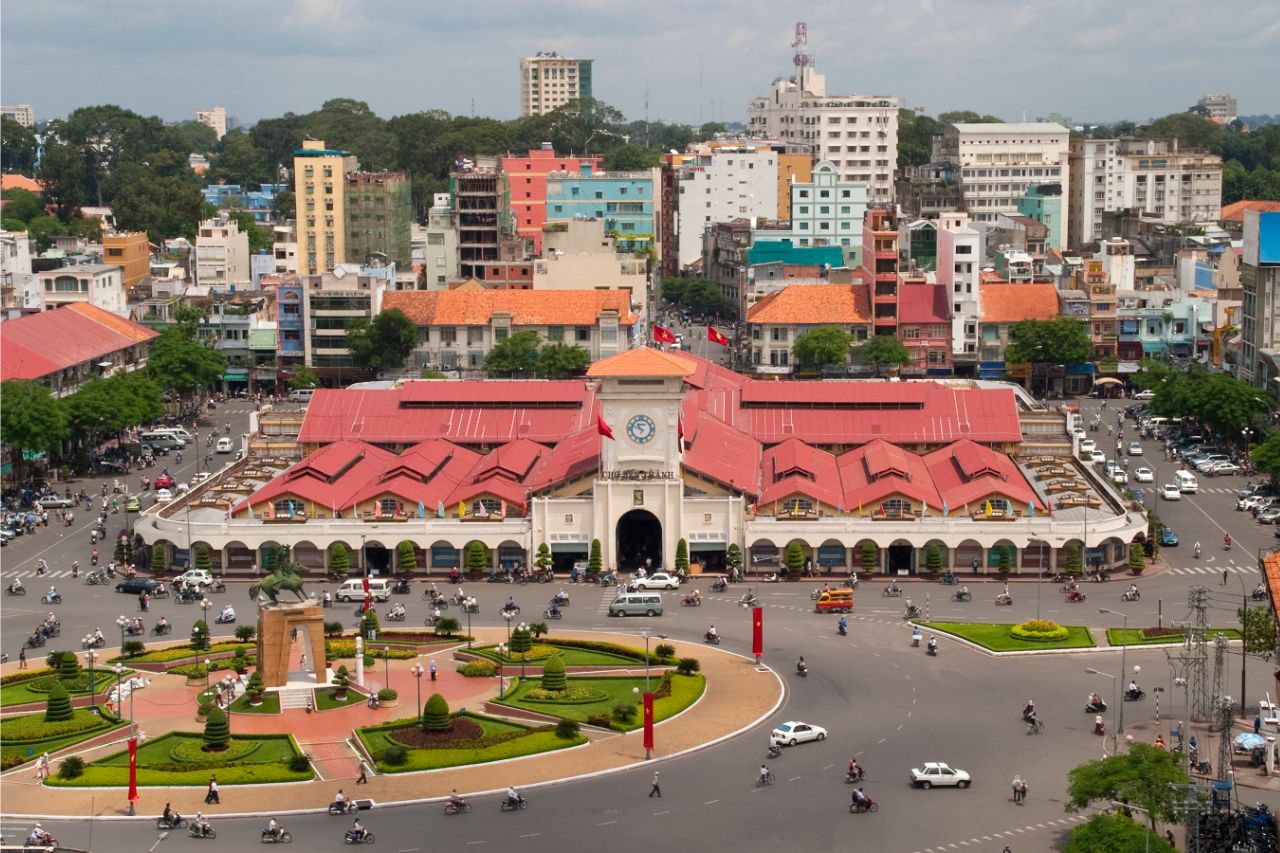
<point>1137,559</point>
<point>602,721</point>
<point>1004,559</point>
<point>553,677</point>
<point>1074,561</point>
<point>477,558</point>
<point>933,558</point>
<point>478,669</point>
<point>203,562</point>
<point>200,635</point>
<point>58,708</point>
<point>244,633</point>
<point>688,666</point>
<point>395,755</point>
<point>387,694</point>
<point>595,559</point>
<point>447,626</point>
<point>333,629</point>
<point>733,557</point>
<point>217,730</point>
<point>521,642</point>
<point>1039,630</point>
<point>435,715</point>
<point>240,662</point>
<point>68,666</point>
<point>567,729</point>
<point>71,767</point>
<point>867,559</point>
<point>543,561</point>
<point>132,648</point>
<point>254,688</point>
<point>664,651</point>
<point>299,762</point>
<point>682,555</point>
<point>158,558</point>
<point>406,557</point>
<point>793,559</point>
<point>341,681</point>
<point>370,623</point>
<point>339,559</point>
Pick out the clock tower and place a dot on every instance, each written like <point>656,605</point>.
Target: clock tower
<point>640,490</point>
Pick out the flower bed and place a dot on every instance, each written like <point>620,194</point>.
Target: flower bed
<point>1039,631</point>
<point>575,694</point>
<point>36,688</point>
<point>478,669</point>
<point>197,670</point>
<point>335,649</point>
<point>1157,636</point>
<point>586,654</point>
<point>25,738</point>
<point>157,767</point>
<point>478,740</point>
<point>998,637</point>
<point>672,694</point>
<point>181,652</point>
<point>188,752</point>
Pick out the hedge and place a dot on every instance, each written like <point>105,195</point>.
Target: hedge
<point>597,646</point>
<point>157,768</point>
<point>25,675</point>
<point>33,726</point>
<point>166,655</point>
<point>478,669</point>
<point>189,752</point>
<point>335,649</point>
<point>198,670</point>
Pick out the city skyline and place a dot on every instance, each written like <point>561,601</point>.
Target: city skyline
<point>938,54</point>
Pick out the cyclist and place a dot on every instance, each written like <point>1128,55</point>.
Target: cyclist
<point>764,775</point>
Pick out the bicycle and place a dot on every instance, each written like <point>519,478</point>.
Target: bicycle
<point>1035,727</point>
<point>765,780</point>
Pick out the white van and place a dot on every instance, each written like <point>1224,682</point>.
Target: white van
<point>636,604</point>
<point>1186,481</point>
<point>162,439</point>
<point>301,395</point>
<point>179,432</point>
<point>352,589</point>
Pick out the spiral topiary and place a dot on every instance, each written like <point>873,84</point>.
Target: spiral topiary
<point>435,716</point>
<point>553,677</point>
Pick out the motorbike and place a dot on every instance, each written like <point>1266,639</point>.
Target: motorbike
<point>864,805</point>
<point>1258,594</point>
<point>1004,598</point>
<point>451,807</point>
<point>269,838</point>
<point>948,579</point>
<point>197,832</point>
<point>802,670</point>
<point>842,629</point>
<point>134,630</point>
<point>393,616</point>
<point>515,608</point>
<point>771,578</point>
<point>559,601</point>
<point>344,807</point>
<point>224,620</point>
<point>893,591</point>
<point>508,806</point>
<point>708,637</point>
<point>774,750</point>
<point>749,600</point>
<point>1028,712</point>
<point>1076,595</point>
<point>1131,595</point>
<point>96,578</point>
<point>813,596</point>
<point>544,576</point>
<point>961,596</point>
<point>551,614</point>
<point>1095,708</point>
<point>932,651</point>
<point>174,821</point>
<point>35,641</point>
<point>458,598</point>
<point>401,587</point>
<point>11,590</point>
<point>161,630</point>
<point>1204,768</point>
<point>912,612</point>
<point>437,600</point>
<point>45,599</point>
<point>856,776</point>
<point>43,839</point>
<point>691,601</point>
<point>94,642</point>
<point>1135,695</point>
<point>718,585</point>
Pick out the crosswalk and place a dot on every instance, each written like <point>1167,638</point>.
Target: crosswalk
<point>1210,570</point>
<point>31,573</point>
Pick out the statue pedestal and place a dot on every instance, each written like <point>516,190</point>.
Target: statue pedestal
<point>276,623</point>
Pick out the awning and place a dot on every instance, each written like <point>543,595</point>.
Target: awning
<point>1127,367</point>
<point>708,547</point>
<point>570,547</point>
<point>1107,380</point>
<point>1154,346</point>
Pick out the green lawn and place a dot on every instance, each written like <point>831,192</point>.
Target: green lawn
<point>270,705</point>
<point>158,767</point>
<point>84,725</point>
<point>685,690</point>
<point>995,636</point>
<point>325,700</point>
<point>376,739</point>
<point>21,692</point>
<point>178,653</point>
<point>570,655</point>
<point>1133,636</point>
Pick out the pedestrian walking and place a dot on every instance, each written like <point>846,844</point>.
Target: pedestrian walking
<point>1224,576</point>
<point>302,662</point>
<point>656,790</point>
<point>211,796</point>
<point>22,658</point>
<point>1016,785</point>
<point>1257,725</point>
<point>431,667</point>
<point>1022,792</point>
<point>364,773</point>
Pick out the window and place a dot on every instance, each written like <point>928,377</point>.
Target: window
<point>582,334</point>
<point>475,334</point>
<point>778,334</point>
<point>896,508</point>
<point>911,332</point>
<point>555,333</point>
<point>797,507</point>
<point>448,334</point>
<point>289,507</point>
<point>501,333</point>
<point>964,249</point>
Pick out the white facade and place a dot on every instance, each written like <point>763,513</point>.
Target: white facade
<point>959,269</point>
<point>1121,265</point>
<point>1220,107</point>
<point>434,246</point>
<point>284,248</point>
<point>1149,175</point>
<point>15,271</point>
<point>827,212</point>
<point>727,184</point>
<point>994,162</point>
<point>548,81</point>
<point>857,133</point>
<point>222,253</point>
<point>214,117</point>
<point>101,285</point>
<point>21,113</point>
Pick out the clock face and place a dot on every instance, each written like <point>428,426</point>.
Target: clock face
<point>640,429</point>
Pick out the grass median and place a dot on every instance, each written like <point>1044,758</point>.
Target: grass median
<point>498,740</point>
<point>996,636</point>
<point>682,692</point>
<point>36,689</point>
<point>1140,637</point>
<point>174,759</point>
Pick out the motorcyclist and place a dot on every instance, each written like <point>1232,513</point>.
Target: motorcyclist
<point>511,603</point>
<point>98,637</point>
<point>456,799</point>
<point>435,615</point>
<point>911,608</point>
<point>1133,687</point>
<point>711,633</point>
<point>42,566</point>
<point>162,623</point>
<point>1133,588</point>
<point>15,585</point>
<point>842,626</point>
<point>1030,710</point>
<point>340,800</point>
<point>228,613</point>
<point>1226,541</point>
<point>75,568</point>
<point>53,593</point>
<point>38,836</point>
<point>933,645</point>
<point>1195,550</point>
<point>893,587</point>
<point>1095,700</point>
<point>964,591</point>
<point>513,796</point>
<point>801,666</point>
<point>764,774</point>
<point>357,830</point>
<point>398,610</point>
<point>274,828</point>
<point>168,815</point>
<point>555,608</point>
<point>326,599</point>
<point>859,798</point>
<point>1260,590</point>
<point>561,597</point>
<point>853,768</point>
<point>916,636</point>
<point>137,626</point>
<point>201,823</point>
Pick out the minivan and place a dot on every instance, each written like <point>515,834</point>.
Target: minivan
<point>1186,482</point>
<point>636,604</point>
<point>301,395</point>
<point>834,601</point>
<point>162,439</point>
<point>177,431</point>
<point>352,589</point>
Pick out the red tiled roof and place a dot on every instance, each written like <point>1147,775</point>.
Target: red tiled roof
<point>967,473</point>
<point>481,392</point>
<point>809,304</point>
<point>327,477</point>
<point>1013,303</point>
<point>923,303</point>
<point>37,345</point>
<point>466,307</point>
<point>722,453</point>
<point>643,361</point>
<point>1234,212</point>
<point>793,467</point>
<point>879,470</point>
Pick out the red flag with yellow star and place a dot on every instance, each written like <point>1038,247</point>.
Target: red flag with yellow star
<point>757,631</point>
<point>648,721</point>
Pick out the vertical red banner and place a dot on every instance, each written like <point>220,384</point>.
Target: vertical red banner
<point>133,770</point>
<point>757,631</point>
<point>648,721</point>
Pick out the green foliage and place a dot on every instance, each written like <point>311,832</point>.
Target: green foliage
<point>595,562</point>
<point>623,712</point>
<point>1258,628</point>
<point>339,559</point>
<point>395,755</point>
<point>447,626</point>
<point>521,641</point>
<point>387,694</point>
<point>117,403</point>
<point>1074,559</point>
<point>915,138</point>
<point>1004,558</point>
<point>200,636</point>
<point>303,377</point>
<point>516,356</point>
<point>567,729</point>
<point>217,730</point>
<point>164,206</point>
<point>369,622</point>
<point>793,558</point>
<point>341,679</point>
<point>1144,776</point>
<point>68,666</point>
<point>384,342</point>
<point>19,152</point>
<point>733,556</point>
<point>132,648</point>
<point>542,560</point>
<point>881,350</point>
<point>478,669</point>
<point>71,767</point>
<point>20,205</point>
<point>254,686</point>
<point>477,557</point>
<point>631,158</point>
<point>244,633</point>
<point>822,347</point>
<point>1221,402</point>
<point>868,557</point>
<point>933,557</point>
<point>559,360</point>
<point>62,176</point>
<point>682,555</point>
<point>435,716</point>
<point>969,116</point>
<point>333,629</point>
<point>299,762</point>
<point>34,727</point>
<point>240,661</point>
<point>1114,833</point>
<point>203,561</point>
<point>1048,341</point>
<point>159,558</point>
<point>700,295</point>
<point>30,418</point>
<point>688,666</point>
<point>553,677</point>
<point>1040,630</point>
<point>182,364</point>
<point>59,707</point>
<point>406,557</point>
<point>664,651</point>
<point>259,239</point>
<point>1137,559</point>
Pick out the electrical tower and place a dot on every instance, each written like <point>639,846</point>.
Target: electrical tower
<point>1197,652</point>
<point>801,46</point>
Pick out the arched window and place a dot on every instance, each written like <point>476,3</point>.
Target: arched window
<point>289,507</point>
<point>897,508</point>
<point>797,507</point>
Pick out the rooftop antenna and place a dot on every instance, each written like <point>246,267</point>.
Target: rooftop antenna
<point>700,122</point>
<point>801,44</point>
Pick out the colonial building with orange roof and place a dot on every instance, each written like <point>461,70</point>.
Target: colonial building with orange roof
<point>1004,304</point>
<point>784,315</point>
<point>653,453</point>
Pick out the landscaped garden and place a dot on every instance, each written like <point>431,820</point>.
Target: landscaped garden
<point>270,704</point>
<point>32,685</point>
<point>29,736</point>
<point>181,758</point>
<point>572,652</point>
<point>1155,636</point>
<point>1033,635</point>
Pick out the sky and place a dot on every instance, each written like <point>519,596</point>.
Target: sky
<point>1091,60</point>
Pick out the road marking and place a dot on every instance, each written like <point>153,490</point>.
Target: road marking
<point>794,779</point>
<point>710,802</point>
<point>531,835</point>
<point>470,843</point>
<point>882,740</point>
<point>607,823</point>
<point>668,811</point>
<point>408,850</point>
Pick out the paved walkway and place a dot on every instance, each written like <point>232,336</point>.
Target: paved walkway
<point>737,696</point>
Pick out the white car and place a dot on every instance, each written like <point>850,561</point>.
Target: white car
<point>197,479</point>
<point>1120,476</point>
<point>1079,433</point>
<point>1097,457</point>
<point>794,732</point>
<point>1148,394</point>
<point>196,576</point>
<point>657,580</point>
<point>1144,475</point>
<point>223,446</point>
<point>163,496</point>
<point>1087,446</point>
<point>1135,449</point>
<point>1170,492</point>
<point>1221,468</point>
<point>936,773</point>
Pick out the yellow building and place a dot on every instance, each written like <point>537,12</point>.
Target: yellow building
<point>793,167</point>
<point>320,196</point>
<point>131,251</point>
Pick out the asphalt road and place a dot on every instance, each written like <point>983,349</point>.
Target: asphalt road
<point>888,704</point>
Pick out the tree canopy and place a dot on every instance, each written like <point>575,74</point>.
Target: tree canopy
<point>516,356</point>
<point>881,350</point>
<point>1114,833</point>
<point>822,347</point>
<point>181,363</point>
<point>30,417</point>
<point>1221,402</point>
<point>1048,342</point>
<point>1144,776</point>
<point>559,361</point>
<point>22,205</point>
<point>384,342</point>
<point>164,206</point>
<point>118,402</point>
<point>697,294</point>
<point>18,154</point>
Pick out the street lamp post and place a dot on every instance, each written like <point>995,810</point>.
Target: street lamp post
<point>91,656</point>
<point>1124,651</point>
<point>416,669</point>
<point>523,629</point>
<point>386,664</point>
<point>502,655</point>
<point>1114,703</point>
<point>133,733</point>
<point>122,623</point>
<point>468,612</point>
<point>508,615</point>
<point>208,663</point>
<point>205,604</point>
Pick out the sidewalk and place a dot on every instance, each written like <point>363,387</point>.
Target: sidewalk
<point>737,697</point>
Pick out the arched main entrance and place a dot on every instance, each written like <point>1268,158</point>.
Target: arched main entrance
<point>639,538</point>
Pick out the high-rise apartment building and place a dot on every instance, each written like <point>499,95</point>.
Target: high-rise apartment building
<point>319,176</point>
<point>723,185</point>
<point>379,213</point>
<point>524,187</point>
<point>993,163</point>
<point>222,253</point>
<point>1219,107</point>
<point>21,113</point>
<point>549,80</point>
<point>215,118</point>
<point>857,133</point>
<point>1152,176</point>
<point>475,199</point>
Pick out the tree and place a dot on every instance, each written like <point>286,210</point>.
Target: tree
<point>542,561</point>
<point>200,138</point>
<point>1114,833</point>
<point>217,730</point>
<point>114,404</point>
<point>933,557</point>
<point>384,342</point>
<point>369,625</point>
<point>1258,631</point>
<point>793,559</point>
<point>184,365</point>
<point>682,555</point>
<point>162,205</point>
<point>341,681</point>
<point>240,162</point>
<point>869,557</point>
<point>701,295</point>
<point>259,238</point>
<point>1145,776</point>
<point>435,715</point>
<point>339,559</point>
<point>447,626</point>
<point>1004,558</point>
<point>521,641</point>
<point>1191,131</point>
<point>477,557</point>
<point>58,708</point>
<point>406,557</point>
<point>18,155</point>
<point>733,557</point>
<point>586,125</point>
<point>915,138</point>
<point>1266,455</point>
<point>968,117</point>
<point>1137,558</point>
<point>1074,559</point>
<point>303,377</point>
<point>553,677</point>
<point>595,562</point>
<point>1048,342</point>
<point>559,361</point>
<point>516,356</point>
<point>158,559</point>
<point>200,636</point>
<point>30,419</point>
<point>631,158</point>
<point>68,666</point>
<point>62,176</point>
<point>821,347</point>
<point>21,205</point>
<point>203,561</point>
<point>880,350</point>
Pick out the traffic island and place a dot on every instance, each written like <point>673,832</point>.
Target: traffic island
<point>181,759</point>
<point>1005,637</point>
<point>1162,636</point>
<point>414,744</point>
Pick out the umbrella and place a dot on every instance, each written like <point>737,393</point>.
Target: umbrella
<point>1248,741</point>
<point>1107,380</point>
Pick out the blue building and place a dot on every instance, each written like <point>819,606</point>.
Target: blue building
<point>259,203</point>
<point>785,252</point>
<point>1044,203</point>
<point>628,202</point>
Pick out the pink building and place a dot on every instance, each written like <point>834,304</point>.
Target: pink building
<point>524,187</point>
<point>924,326</point>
